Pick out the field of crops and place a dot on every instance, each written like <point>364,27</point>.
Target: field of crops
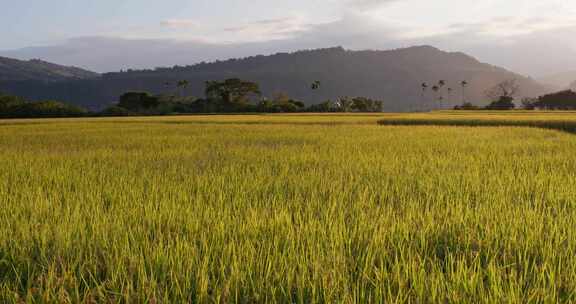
<point>389,208</point>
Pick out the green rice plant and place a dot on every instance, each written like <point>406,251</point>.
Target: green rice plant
<point>287,209</point>
<point>563,121</point>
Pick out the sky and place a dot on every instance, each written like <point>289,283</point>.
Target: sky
<point>534,37</point>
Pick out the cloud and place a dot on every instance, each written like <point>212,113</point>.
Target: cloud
<point>523,43</point>
<point>534,47</point>
<point>106,54</point>
<point>271,29</point>
<point>363,5</point>
<point>512,26</point>
<point>277,21</point>
<point>178,23</point>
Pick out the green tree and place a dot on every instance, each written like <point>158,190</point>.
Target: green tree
<point>326,106</point>
<point>363,104</point>
<point>266,106</point>
<point>503,91</point>
<point>316,85</point>
<point>504,103</point>
<point>231,91</point>
<point>529,103</point>
<point>115,111</point>
<point>467,106</point>
<point>563,100</point>
<point>280,103</point>
<point>49,108</point>
<point>138,101</point>
<point>9,103</point>
<point>346,104</point>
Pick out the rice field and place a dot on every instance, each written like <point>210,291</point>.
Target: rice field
<point>394,208</point>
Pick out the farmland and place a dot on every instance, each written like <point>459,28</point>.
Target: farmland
<point>432,207</point>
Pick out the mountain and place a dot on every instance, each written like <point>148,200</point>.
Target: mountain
<point>572,86</point>
<point>394,76</point>
<point>560,81</point>
<point>19,70</point>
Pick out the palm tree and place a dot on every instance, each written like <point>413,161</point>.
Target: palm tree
<point>441,84</point>
<point>171,90</point>
<point>315,85</point>
<point>182,84</point>
<point>424,89</point>
<point>449,90</point>
<point>464,84</point>
<point>436,89</point>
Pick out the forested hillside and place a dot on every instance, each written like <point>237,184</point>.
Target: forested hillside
<point>394,76</point>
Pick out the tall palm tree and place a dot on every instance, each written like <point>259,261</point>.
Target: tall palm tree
<point>424,87</point>
<point>464,84</point>
<point>441,85</point>
<point>315,85</point>
<point>182,84</point>
<point>171,90</point>
<point>436,89</point>
<point>449,99</point>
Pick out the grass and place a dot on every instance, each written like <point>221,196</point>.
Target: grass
<point>562,121</point>
<point>287,208</point>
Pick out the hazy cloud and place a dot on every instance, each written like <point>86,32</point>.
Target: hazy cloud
<point>512,26</point>
<point>178,23</point>
<point>368,4</point>
<point>524,42</point>
<point>272,29</point>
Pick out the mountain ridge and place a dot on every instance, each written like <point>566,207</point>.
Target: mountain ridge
<point>394,76</point>
<point>36,69</point>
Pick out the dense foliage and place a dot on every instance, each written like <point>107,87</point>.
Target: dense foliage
<point>503,103</point>
<point>16,107</point>
<point>563,100</point>
<point>234,96</point>
<point>228,96</point>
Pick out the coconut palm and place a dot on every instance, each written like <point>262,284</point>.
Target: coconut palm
<point>315,85</point>
<point>464,84</point>
<point>436,89</point>
<point>441,85</point>
<point>182,84</point>
<point>424,87</point>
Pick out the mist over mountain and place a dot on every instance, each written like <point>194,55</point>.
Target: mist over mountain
<point>394,76</point>
<point>560,81</point>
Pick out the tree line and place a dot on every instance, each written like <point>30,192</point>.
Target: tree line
<point>233,96</point>
<point>227,96</point>
<point>503,95</point>
<point>17,107</point>
<point>239,96</point>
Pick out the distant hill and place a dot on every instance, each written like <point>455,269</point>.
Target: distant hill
<point>18,70</point>
<point>393,76</point>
